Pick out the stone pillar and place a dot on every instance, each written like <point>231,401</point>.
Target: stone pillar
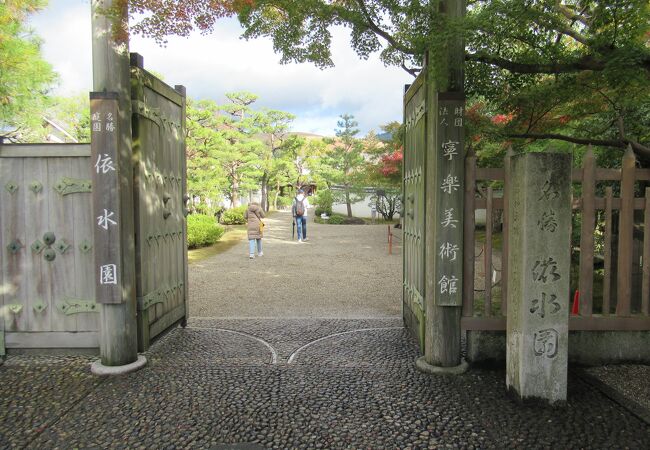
<point>538,283</point>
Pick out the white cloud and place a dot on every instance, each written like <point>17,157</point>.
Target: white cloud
<point>209,66</point>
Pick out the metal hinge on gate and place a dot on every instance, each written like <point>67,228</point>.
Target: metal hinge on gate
<point>150,299</point>
<point>71,306</point>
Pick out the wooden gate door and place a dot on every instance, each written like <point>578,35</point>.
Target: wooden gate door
<point>414,207</point>
<point>160,197</point>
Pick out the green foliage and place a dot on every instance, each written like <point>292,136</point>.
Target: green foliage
<point>283,202</point>
<point>234,216</point>
<point>572,70</point>
<point>335,219</point>
<point>70,114</point>
<point>324,201</point>
<point>202,230</point>
<point>338,219</point>
<point>233,148</point>
<point>343,163</point>
<point>24,76</point>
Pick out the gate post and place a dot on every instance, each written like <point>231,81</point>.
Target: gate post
<point>444,206</point>
<point>110,49</point>
<point>539,259</point>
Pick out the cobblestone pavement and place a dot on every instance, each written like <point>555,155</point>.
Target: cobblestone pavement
<point>340,376</point>
<point>350,384</point>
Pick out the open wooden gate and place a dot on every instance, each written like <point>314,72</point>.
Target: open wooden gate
<point>414,208</point>
<point>160,197</point>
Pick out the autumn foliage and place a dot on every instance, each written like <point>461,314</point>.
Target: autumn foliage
<point>390,163</point>
<point>179,17</point>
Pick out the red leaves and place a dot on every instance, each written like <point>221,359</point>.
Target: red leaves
<point>502,119</point>
<point>180,17</point>
<point>391,162</point>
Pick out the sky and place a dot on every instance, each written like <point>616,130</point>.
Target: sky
<point>210,66</point>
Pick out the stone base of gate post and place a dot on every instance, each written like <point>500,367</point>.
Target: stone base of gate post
<point>97,368</point>
<point>423,366</point>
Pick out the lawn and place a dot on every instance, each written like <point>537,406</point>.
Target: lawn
<point>233,235</point>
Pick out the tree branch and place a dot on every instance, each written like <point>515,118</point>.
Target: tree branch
<point>413,71</point>
<point>380,32</point>
<point>640,149</point>
<point>570,14</point>
<point>585,63</point>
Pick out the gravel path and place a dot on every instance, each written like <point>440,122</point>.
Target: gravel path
<point>342,271</point>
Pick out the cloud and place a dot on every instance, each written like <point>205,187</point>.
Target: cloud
<point>209,66</point>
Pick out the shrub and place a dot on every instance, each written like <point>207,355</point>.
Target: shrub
<point>320,210</point>
<point>335,219</point>
<point>202,230</point>
<point>234,216</point>
<point>353,221</point>
<point>338,219</point>
<point>324,201</point>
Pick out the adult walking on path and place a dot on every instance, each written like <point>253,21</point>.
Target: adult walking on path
<point>299,210</point>
<point>254,216</point>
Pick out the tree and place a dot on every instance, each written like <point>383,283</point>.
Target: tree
<point>240,156</point>
<point>343,161</point>
<point>65,119</point>
<point>223,153</point>
<point>273,125</point>
<point>25,77</point>
<point>206,177</point>
<point>384,170</point>
<point>569,70</point>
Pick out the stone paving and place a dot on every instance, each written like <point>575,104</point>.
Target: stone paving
<point>340,375</point>
<point>215,383</point>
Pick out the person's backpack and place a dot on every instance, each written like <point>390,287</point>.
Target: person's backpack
<point>300,208</point>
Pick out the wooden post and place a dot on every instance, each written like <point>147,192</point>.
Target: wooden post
<point>505,240</point>
<point>118,335</point>
<point>445,191</point>
<point>587,227</point>
<point>468,234</point>
<point>487,254</point>
<point>625,235</point>
<point>183,91</point>
<point>645,295</point>
<point>607,282</point>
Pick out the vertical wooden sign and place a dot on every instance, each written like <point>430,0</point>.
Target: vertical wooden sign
<point>450,180</point>
<point>104,118</point>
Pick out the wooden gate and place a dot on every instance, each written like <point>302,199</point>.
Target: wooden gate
<point>414,208</point>
<point>47,297</point>
<point>160,197</point>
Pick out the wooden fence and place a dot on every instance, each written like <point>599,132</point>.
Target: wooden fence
<point>610,255</point>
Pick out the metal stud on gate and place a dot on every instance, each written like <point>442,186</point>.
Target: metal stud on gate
<point>14,246</point>
<point>49,238</point>
<point>36,186</point>
<point>49,254</point>
<point>11,187</point>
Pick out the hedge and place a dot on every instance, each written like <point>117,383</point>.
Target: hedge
<point>234,216</point>
<point>202,230</point>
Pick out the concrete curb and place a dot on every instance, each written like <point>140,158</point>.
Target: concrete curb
<point>425,367</point>
<point>97,368</point>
